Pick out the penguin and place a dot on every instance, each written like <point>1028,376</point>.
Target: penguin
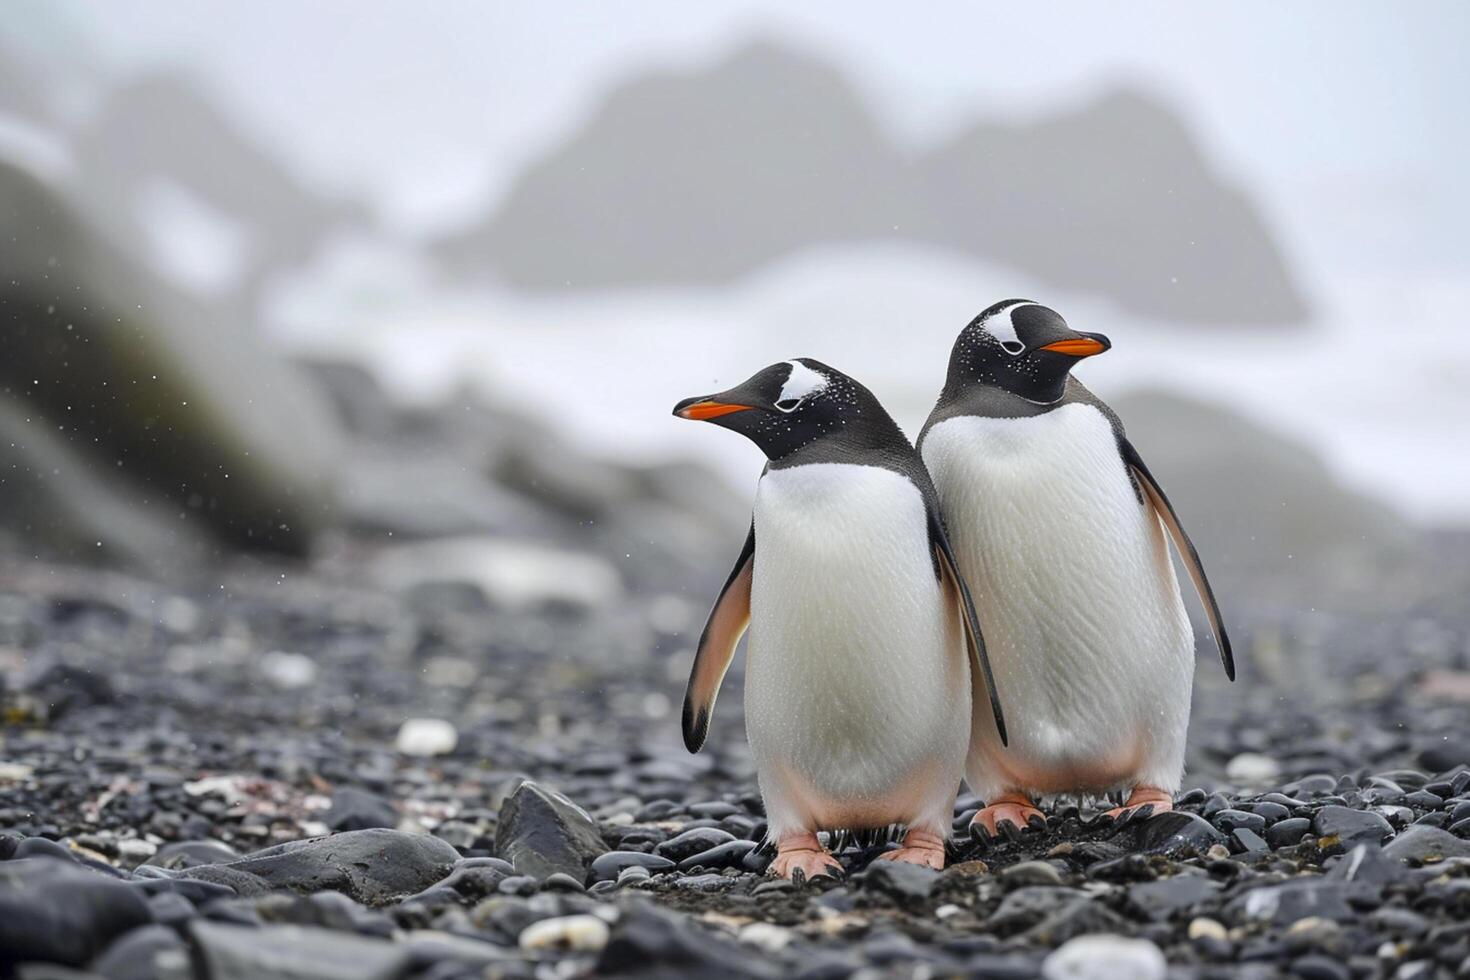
<point>862,632</point>
<point>1059,527</point>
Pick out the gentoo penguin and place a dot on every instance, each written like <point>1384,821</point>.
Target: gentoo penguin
<point>862,632</point>
<point>1058,526</point>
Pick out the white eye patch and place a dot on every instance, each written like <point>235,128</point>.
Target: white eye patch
<point>800,385</point>
<point>1003,329</point>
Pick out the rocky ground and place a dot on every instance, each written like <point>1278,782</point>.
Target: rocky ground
<point>282,772</point>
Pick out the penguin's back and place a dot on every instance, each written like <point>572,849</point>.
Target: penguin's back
<point>1073,583</point>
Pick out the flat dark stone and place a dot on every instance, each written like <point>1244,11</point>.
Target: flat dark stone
<point>607,867</point>
<point>372,866</point>
<point>692,842</point>
<point>1342,828</point>
<point>1175,832</point>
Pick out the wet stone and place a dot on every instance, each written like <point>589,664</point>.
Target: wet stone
<point>727,855</point>
<point>608,866</point>
<point>692,842</point>
<point>1341,828</point>
<point>1286,832</point>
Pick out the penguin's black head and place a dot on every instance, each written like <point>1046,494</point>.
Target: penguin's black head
<point>1023,347</point>
<point>793,404</point>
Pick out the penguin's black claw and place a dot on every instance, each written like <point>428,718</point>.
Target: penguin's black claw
<point>798,877</point>
<point>1009,831</point>
<point>981,836</point>
<point>1036,822</point>
<point>1143,813</point>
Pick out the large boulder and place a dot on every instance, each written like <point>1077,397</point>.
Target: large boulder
<point>373,867</point>
<point>175,401</point>
<point>54,911</point>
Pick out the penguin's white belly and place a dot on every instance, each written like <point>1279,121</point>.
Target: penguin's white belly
<point>1088,637</point>
<point>857,699</point>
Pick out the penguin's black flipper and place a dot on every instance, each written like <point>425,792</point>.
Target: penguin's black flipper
<point>1154,494</point>
<point>722,633</point>
<point>950,573</point>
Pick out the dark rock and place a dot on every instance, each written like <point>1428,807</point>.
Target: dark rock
<point>40,847</point>
<point>1445,754</point>
<point>727,855</point>
<point>468,881</point>
<point>1158,900</point>
<point>542,832</point>
<point>1398,923</point>
<point>1367,863</point>
<point>1286,832</point>
<point>235,953</point>
<point>357,809</point>
<point>1077,918</point>
<point>56,912</point>
<point>900,880</point>
<point>243,883</point>
<point>1293,900</point>
<point>1244,841</point>
<point>649,942</point>
<point>1228,820</point>
<point>558,882</point>
<point>1315,966</point>
<point>1423,800</point>
<point>692,842</point>
<point>1271,811</point>
<point>1421,845</point>
<point>372,866</point>
<point>148,953</point>
<point>171,908</point>
<point>1342,828</point>
<point>607,867</point>
<point>1175,832</point>
<point>1027,906</point>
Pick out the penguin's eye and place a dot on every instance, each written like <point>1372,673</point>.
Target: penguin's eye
<point>789,405</point>
<point>1012,347</point>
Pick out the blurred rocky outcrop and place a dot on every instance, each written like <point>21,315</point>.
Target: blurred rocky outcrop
<point>113,383</point>
<point>1264,511</point>
<point>212,211</point>
<point>474,495</point>
<point>704,176</point>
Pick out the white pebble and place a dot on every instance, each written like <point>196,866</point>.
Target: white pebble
<point>15,772</point>
<point>1105,957</point>
<point>288,671</point>
<point>135,850</point>
<point>426,736</point>
<point>577,933</point>
<point>1252,769</point>
<point>1203,928</point>
<point>765,936</point>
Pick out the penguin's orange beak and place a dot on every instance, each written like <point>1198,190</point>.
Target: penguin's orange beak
<point>704,409</point>
<point>1083,345</point>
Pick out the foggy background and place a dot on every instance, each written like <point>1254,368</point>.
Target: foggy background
<point>422,283</point>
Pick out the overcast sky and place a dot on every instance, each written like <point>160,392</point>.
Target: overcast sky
<point>1347,118</point>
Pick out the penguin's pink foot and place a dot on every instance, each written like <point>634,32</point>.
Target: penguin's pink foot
<point>919,847</point>
<point>1015,809</point>
<point>1141,797</point>
<point>802,854</point>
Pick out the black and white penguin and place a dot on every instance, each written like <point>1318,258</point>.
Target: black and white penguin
<point>1059,528</point>
<point>862,632</point>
